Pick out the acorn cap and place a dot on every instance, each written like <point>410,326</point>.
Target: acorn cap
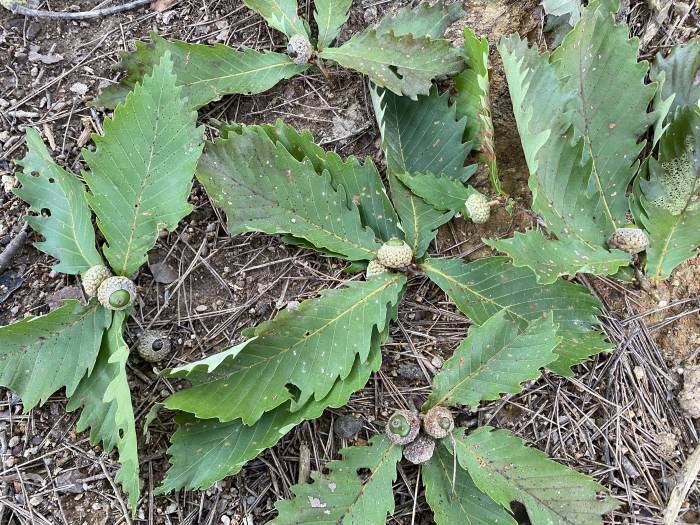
<point>375,268</point>
<point>153,345</point>
<point>116,293</point>
<point>438,422</point>
<point>402,427</point>
<point>94,277</point>
<point>419,450</point>
<point>629,239</point>
<point>299,49</point>
<point>478,209</point>
<point>395,253</point>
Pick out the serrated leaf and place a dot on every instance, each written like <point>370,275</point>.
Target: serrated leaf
<point>483,288</point>
<point>505,469</point>
<point>580,141</point>
<point>609,106</point>
<point>330,15</point>
<point>342,495</point>
<point>440,192</point>
<point>551,258</point>
<point>362,182</point>
<point>67,230</point>
<point>472,101</point>
<point>105,398</point>
<point>495,358</point>
<point>262,187</point>
<point>405,65</point>
<point>204,451</point>
<point>422,136</point>
<point>280,14</point>
<point>456,499</point>
<point>667,204</point>
<point>204,73</point>
<point>40,355</point>
<point>423,20</point>
<point>142,168</point>
<point>305,350</point>
<point>680,73</point>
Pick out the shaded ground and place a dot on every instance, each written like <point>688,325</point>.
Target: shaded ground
<point>616,420</point>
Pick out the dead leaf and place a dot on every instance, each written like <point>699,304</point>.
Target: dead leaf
<point>163,5</point>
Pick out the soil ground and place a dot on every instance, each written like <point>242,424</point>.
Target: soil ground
<point>617,419</point>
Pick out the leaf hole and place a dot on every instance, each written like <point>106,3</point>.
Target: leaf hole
<point>51,180</point>
<point>45,212</point>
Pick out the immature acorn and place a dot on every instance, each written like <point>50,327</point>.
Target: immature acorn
<point>116,293</point>
<point>299,49</point>
<point>419,450</point>
<point>438,422</point>
<point>478,208</point>
<point>153,345</point>
<point>402,427</point>
<point>395,253</point>
<point>629,239</point>
<point>375,268</point>
<point>94,277</point>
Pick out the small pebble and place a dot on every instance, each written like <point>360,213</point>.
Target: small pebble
<point>202,308</point>
<point>347,427</point>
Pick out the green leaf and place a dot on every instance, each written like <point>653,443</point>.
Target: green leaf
<point>680,72</point>
<point>483,288</point>
<point>668,203</point>
<point>420,221</point>
<point>456,499</point>
<point>204,73</point>
<point>40,355</point>
<point>580,140</point>
<point>505,469</point>
<point>142,168</point>
<point>330,15</point>
<point>440,192</point>
<point>67,230</point>
<point>473,102</point>
<point>570,10</point>
<point>204,451</point>
<point>423,20</point>
<point>609,106</point>
<point>405,65</point>
<point>262,187</point>
<point>495,358</point>
<point>280,14</point>
<point>105,397</point>
<point>297,356</point>
<point>362,182</point>
<point>551,258</point>
<point>423,136</point>
<point>343,495</point>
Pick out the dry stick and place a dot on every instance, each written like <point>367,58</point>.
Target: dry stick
<point>687,476</point>
<point>12,248</point>
<point>18,9</point>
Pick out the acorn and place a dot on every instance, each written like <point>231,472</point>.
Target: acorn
<point>94,277</point>
<point>153,345</point>
<point>438,422</point>
<point>395,253</point>
<point>299,49</point>
<point>375,268</point>
<point>478,208</point>
<point>629,239</point>
<point>402,427</point>
<point>116,293</point>
<point>419,450</point>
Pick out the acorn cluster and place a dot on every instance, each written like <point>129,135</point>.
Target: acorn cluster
<point>404,428</point>
<point>113,292</point>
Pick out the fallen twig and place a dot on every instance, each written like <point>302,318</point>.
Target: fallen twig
<point>12,247</point>
<point>19,9</point>
<point>687,477</point>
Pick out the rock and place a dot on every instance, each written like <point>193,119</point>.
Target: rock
<point>79,89</point>
<point>410,371</point>
<point>14,441</point>
<point>347,427</point>
<point>34,29</point>
<point>163,273</point>
<point>201,308</point>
